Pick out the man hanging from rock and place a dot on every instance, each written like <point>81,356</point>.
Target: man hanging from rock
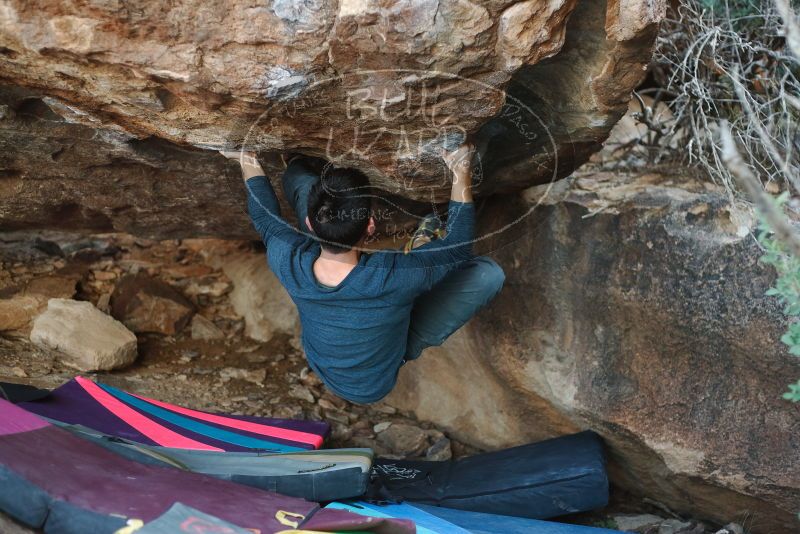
<point>363,314</point>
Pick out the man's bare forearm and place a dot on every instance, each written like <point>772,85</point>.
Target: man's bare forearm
<point>459,162</point>
<point>250,165</point>
<point>462,186</point>
<point>248,171</point>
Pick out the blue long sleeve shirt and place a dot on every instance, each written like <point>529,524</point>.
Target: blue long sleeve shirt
<point>354,335</point>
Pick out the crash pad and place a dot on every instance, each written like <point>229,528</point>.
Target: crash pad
<point>538,481</point>
<point>478,523</point>
<point>115,412</point>
<point>317,475</point>
<point>52,479</point>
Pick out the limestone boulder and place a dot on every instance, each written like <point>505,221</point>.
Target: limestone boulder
<point>113,112</point>
<point>88,339</point>
<point>633,306</point>
<point>257,295</point>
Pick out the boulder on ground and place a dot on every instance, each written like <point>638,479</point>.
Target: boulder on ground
<point>18,312</point>
<point>53,286</point>
<point>635,307</point>
<point>404,440</point>
<point>440,451</point>
<point>88,339</point>
<point>257,295</point>
<point>205,329</point>
<point>147,305</point>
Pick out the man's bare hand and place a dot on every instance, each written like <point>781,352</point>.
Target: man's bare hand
<point>245,158</point>
<point>248,160</point>
<point>459,161</point>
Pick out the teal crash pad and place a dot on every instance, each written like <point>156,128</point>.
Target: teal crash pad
<point>438,520</point>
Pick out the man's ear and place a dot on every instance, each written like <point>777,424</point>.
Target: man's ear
<point>308,225</point>
<point>371,226</point>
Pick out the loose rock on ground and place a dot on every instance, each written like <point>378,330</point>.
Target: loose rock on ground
<point>88,339</point>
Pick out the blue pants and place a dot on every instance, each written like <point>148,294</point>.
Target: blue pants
<point>439,312</point>
<point>452,302</point>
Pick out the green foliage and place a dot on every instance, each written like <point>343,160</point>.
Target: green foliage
<point>608,523</point>
<point>794,392</point>
<point>742,15</point>
<point>787,289</point>
<point>736,8</point>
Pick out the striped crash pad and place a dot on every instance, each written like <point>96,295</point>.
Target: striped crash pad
<point>114,412</point>
<point>283,456</point>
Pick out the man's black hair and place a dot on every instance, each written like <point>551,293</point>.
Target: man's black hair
<point>339,208</point>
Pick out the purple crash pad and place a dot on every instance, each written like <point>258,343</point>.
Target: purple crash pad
<point>72,470</point>
<point>73,404</point>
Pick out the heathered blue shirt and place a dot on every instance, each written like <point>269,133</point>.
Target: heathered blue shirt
<point>354,334</point>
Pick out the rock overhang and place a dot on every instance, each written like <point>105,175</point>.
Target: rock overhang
<point>538,85</point>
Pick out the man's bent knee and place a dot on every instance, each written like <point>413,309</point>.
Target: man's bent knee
<point>491,276</point>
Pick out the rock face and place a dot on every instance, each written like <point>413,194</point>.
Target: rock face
<point>89,339</point>
<point>9,526</point>
<point>18,312</point>
<point>110,99</point>
<point>258,296</point>
<point>637,309</point>
<point>147,305</point>
<point>404,440</point>
<point>19,306</point>
<point>59,174</point>
<point>203,328</point>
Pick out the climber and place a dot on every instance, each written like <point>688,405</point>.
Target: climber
<point>364,315</point>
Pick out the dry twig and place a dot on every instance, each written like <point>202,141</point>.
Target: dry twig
<point>752,186</point>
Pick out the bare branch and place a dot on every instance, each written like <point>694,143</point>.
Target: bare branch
<point>747,180</point>
<point>790,26</point>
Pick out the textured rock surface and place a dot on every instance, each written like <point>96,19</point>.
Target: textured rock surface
<point>379,86</point>
<point>9,526</point>
<point>147,305</point>
<point>89,339</point>
<point>19,306</point>
<point>63,175</point>
<point>18,312</point>
<point>257,296</point>
<point>646,322</point>
<point>404,440</point>
<point>203,328</point>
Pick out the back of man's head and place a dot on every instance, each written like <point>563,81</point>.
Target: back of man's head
<point>339,208</point>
